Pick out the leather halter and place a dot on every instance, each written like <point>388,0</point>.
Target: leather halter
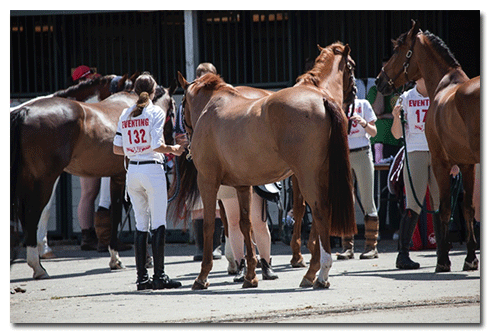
<point>404,69</point>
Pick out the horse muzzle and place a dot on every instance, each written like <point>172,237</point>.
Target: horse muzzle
<point>384,86</point>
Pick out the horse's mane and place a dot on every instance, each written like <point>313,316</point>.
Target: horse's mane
<point>442,49</point>
<point>439,46</point>
<point>210,81</point>
<point>313,76</point>
<point>84,84</point>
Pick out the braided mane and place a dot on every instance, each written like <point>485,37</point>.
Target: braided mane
<point>439,46</point>
<point>313,76</point>
<point>442,49</point>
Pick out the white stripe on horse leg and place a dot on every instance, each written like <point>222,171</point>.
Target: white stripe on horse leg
<point>325,265</point>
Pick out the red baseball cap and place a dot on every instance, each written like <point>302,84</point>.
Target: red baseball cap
<point>80,71</point>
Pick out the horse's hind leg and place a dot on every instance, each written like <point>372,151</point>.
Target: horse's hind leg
<point>33,205</point>
<point>471,261</point>
<point>299,207</point>
<point>314,247</point>
<point>244,194</point>
<point>42,228</point>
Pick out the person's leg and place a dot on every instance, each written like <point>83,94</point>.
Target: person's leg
<point>235,236</point>
<point>139,200</point>
<point>365,184</point>
<point>262,237</point>
<point>418,162</point>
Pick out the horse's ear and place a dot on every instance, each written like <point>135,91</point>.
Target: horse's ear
<point>183,82</point>
<point>173,87</point>
<point>346,50</point>
<point>415,29</point>
<point>319,47</point>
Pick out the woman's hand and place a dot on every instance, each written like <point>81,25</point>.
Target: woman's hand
<point>356,119</point>
<point>396,111</point>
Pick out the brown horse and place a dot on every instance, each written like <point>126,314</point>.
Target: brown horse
<point>94,90</point>
<point>52,135</point>
<point>242,142</point>
<point>452,124</point>
<point>299,204</point>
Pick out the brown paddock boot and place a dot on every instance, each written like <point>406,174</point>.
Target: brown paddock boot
<point>371,234</point>
<point>347,248</point>
<point>103,227</point>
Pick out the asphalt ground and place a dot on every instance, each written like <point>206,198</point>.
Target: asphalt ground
<point>83,290</point>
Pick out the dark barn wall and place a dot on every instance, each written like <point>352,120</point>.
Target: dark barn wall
<point>261,48</point>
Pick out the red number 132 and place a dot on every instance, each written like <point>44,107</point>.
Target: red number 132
<point>139,136</point>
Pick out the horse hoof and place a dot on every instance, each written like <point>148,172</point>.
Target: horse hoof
<point>443,268</point>
<point>298,264</point>
<point>251,284</point>
<point>321,285</point>
<point>41,276</point>
<point>471,266</point>
<point>305,283</point>
<point>116,265</point>
<point>200,285</point>
<point>48,255</point>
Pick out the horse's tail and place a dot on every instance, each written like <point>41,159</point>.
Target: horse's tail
<point>339,192</point>
<point>188,192</point>
<point>16,120</point>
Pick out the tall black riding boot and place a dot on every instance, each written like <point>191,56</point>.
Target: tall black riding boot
<point>198,232</point>
<point>407,227</point>
<point>160,279</point>
<point>140,243</point>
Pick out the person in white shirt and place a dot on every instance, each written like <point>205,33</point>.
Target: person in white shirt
<point>139,137</point>
<point>414,103</point>
<point>362,128</point>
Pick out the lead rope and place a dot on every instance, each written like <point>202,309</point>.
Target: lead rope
<point>455,187</point>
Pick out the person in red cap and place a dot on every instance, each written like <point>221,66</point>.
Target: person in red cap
<point>82,73</point>
<point>95,226</point>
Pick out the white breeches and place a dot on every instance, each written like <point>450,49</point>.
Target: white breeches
<point>147,188</point>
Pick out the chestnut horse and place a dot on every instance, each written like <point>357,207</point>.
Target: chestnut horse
<point>452,125</point>
<point>52,135</point>
<point>242,142</point>
<point>299,205</point>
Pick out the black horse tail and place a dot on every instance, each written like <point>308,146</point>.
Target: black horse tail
<point>339,192</point>
<point>188,192</point>
<point>16,120</point>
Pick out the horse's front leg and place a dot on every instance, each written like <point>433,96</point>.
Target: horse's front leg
<point>471,261</point>
<point>209,191</point>
<point>244,194</point>
<point>441,220</point>
<point>299,207</point>
<point>117,192</point>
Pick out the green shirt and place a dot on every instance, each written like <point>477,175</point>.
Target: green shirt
<point>383,126</point>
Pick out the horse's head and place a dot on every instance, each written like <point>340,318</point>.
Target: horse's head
<point>401,62</point>
<point>197,95</point>
<point>349,80</point>
<point>163,98</point>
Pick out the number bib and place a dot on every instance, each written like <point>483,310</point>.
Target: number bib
<point>136,135</point>
<point>416,113</point>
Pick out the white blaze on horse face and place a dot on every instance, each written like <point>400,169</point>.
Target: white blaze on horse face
<point>325,264</point>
